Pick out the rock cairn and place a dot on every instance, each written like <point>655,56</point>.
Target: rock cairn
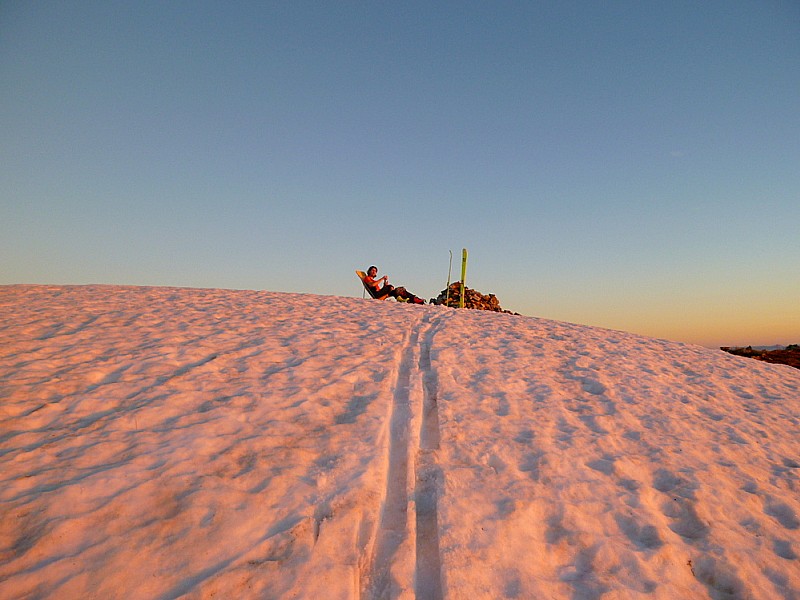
<point>472,299</point>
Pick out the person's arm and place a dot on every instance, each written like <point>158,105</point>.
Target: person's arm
<point>375,283</point>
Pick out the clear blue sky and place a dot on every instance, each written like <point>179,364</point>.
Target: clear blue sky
<point>633,165</point>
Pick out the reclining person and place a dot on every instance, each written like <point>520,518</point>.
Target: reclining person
<point>387,289</point>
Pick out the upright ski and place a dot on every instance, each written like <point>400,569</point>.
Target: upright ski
<point>447,288</point>
<point>463,277</point>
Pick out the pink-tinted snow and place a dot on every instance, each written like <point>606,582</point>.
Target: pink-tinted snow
<point>179,443</point>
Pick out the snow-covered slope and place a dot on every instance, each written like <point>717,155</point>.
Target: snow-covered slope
<point>164,443</point>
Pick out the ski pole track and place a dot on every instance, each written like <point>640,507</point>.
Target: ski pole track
<point>412,481</point>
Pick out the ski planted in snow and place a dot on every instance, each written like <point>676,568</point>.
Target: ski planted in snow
<point>463,277</point>
<point>447,287</point>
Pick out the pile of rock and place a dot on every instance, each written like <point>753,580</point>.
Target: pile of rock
<point>472,299</point>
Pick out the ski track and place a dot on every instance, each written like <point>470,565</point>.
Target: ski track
<point>428,581</point>
<point>413,477</point>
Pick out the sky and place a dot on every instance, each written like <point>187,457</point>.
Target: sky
<point>630,165</point>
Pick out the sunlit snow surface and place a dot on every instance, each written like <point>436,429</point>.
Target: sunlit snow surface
<point>160,443</point>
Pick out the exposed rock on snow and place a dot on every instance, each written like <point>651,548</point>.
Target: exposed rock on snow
<point>782,356</point>
<point>472,299</point>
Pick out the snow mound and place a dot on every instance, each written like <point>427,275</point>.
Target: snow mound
<point>165,443</point>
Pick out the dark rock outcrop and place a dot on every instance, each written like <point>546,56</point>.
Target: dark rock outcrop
<point>788,356</point>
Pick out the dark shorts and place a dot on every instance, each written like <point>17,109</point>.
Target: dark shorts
<point>387,290</point>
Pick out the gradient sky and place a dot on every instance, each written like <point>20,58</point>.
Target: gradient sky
<point>632,165</point>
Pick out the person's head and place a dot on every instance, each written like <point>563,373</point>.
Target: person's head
<point>372,271</point>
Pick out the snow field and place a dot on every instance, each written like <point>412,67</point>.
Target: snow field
<point>177,443</point>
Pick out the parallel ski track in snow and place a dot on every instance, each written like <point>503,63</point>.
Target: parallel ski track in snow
<point>412,478</point>
<point>428,580</point>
